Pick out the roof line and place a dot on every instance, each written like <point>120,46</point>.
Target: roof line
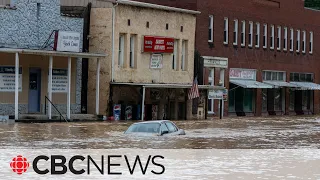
<point>318,10</point>
<point>156,6</point>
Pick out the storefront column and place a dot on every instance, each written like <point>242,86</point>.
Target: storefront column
<point>69,89</point>
<point>258,94</point>
<point>50,87</point>
<point>16,92</point>
<point>97,86</point>
<point>143,99</point>
<point>222,81</point>
<point>287,101</point>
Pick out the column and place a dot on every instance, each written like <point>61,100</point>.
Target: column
<point>97,86</point>
<point>222,81</point>
<point>50,87</point>
<point>69,90</point>
<point>16,92</point>
<point>143,100</point>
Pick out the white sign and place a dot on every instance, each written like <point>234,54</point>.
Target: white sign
<point>215,94</point>
<point>7,79</point>
<point>59,80</point>
<point>215,62</point>
<point>68,41</point>
<point>242,74</point>
<point>156,61</point>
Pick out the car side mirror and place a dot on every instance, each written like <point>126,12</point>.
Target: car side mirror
<point>164,132</point>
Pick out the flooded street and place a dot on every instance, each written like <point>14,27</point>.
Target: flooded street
<point>234,133</point>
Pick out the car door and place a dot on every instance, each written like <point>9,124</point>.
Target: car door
<point>173,130</point>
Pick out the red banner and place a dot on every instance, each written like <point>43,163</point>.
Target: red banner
<point>158,44</point>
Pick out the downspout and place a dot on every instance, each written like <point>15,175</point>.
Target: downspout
<point>113,29</point>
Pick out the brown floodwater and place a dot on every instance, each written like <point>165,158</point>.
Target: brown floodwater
<point>288,132</point>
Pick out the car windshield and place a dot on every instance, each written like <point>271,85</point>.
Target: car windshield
<point>144,128</point>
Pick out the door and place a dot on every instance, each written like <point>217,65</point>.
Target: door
<point>34,90</point>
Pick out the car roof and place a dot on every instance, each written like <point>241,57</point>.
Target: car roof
<point>153,121</point>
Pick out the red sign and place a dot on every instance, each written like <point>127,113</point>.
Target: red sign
<point>158,44</point>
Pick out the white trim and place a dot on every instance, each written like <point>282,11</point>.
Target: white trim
<point>155,6</point>
<point>98,87</point>
<point>291,39</point>
<point>250,34</point>
<point>285,37</point>
<point>279,38</point>
<point>211,28</point>
<point>265,36</point>
<point>69,90</point>
<point>50,87</point>
<point>226,30</point>
<point>272,37</point>
<point>257,35</point>
<point>235,32</point>
<point>243,33</point>
<point>298,41</point>
<point>311,43</point>
<point>304,34</point>
<point>16,91</point>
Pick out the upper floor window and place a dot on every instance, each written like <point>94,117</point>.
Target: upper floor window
<point>175,54</point>
<point>243,33</point>
<point>272,37</point>
<point>301,77</point>
<point>132,51</point>
<point>257,35</point>
<point>250,33</point>
<point>311,43</point>
<point>226,32</point>
<point>279,38</point>
<point>285,39</point>
<point>298,41</point>
<point>210,39</point>
<point>273,76</point>
<point>235,32</point>
<point>303,41</point>
<point>265,36</point>
<point>121,50</point>
<point>184,55</point>
<point>291,39</point>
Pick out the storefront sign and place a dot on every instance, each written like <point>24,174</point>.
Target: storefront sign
<point>59,80</point>
<point>7,79</point>
<point>242,74</point>
<point>215,62</point>
<point>156,61</point>
<point>158,44</point>
<point>215,94</point>
<point>67,41</point>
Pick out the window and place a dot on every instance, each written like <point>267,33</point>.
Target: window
<point>129,22</point>
<point>132,49</point>
<point>181,29</point>
<point>291,39</point>
<point>211,83</point>
<point>167,26</point>
<point>183,55</point>
<point>285,39</point>
<point>273,76</point>
<point>272,37</point>
<point>121,50</point>
<point>172,128</point>
<point>258,35</point>
<point>147,25</point>
<point>175,55</point>
<point>225,35</point>
<point>279,38</point>
<point>303,41</point>
<point>163,128</point>
<point>265,36</point>
<point>301,77</point>
<point>298,41</point>
<point>250,33</point>
<point>311,43</point>
<point>210,39</point>
<point>243,33</point>
<point>235,33</point>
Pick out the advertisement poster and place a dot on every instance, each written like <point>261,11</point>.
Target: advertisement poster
<point>7,79</point>
<point>59,80</point>
<point>156,61</point>
<point>117,112</point>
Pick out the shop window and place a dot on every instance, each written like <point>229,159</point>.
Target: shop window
<point>309,78</point>
<point>274,76</point>
<point>225,35</point>
<point>311,43</point>
<point>250,34</point>
<point>301,77</point>
<point>272,37</point>
<point>243,33</point>
<point>232,98</point>
<point>248,100</point>
<point>121,50</point>
<point>265,36</point>
<point>279,38</point>
<point>211,83</point>
<point>285,39</point>
<point>264,100</point>
<point>281,76</point>
<point>298,41</point>
<point>175,54</point>
<point>210,37</point>
<point>257,35</point>
<point>235,33</point>
<point>291,40</point>
<point>303,41</point>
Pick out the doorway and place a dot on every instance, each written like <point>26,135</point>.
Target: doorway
<point>34,90</point>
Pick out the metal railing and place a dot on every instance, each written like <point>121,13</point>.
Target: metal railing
<point>45,108</point>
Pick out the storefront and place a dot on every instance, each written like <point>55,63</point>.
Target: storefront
<point>242,91</point>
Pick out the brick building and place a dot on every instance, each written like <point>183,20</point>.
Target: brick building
<point>271,47</point>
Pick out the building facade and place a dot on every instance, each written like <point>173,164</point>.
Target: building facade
<point>271,51</point>
<point>152,59</point>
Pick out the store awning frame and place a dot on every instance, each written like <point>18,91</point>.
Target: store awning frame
<point>250,84</point>
<point>306,85</point>
<point>169,86</point>
<point>280,84</point>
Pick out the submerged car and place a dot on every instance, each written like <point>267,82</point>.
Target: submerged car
<point>159,128</point>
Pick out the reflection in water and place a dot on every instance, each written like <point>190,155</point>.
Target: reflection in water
<point>235,133</point>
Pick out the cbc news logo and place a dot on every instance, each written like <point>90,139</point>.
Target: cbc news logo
<point>19,164</point>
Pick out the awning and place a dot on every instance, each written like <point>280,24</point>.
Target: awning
<point>169,86</point>
<point>306,85</point>
<point>279,84</point>
<point>251,84</point>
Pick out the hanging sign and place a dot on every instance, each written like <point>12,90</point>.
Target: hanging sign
<point>155,44</point>
<point>7,79</point>
<point>66,41</point>
<point>59,80</point>
<point>156,61</point>
<point>215,94</point>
